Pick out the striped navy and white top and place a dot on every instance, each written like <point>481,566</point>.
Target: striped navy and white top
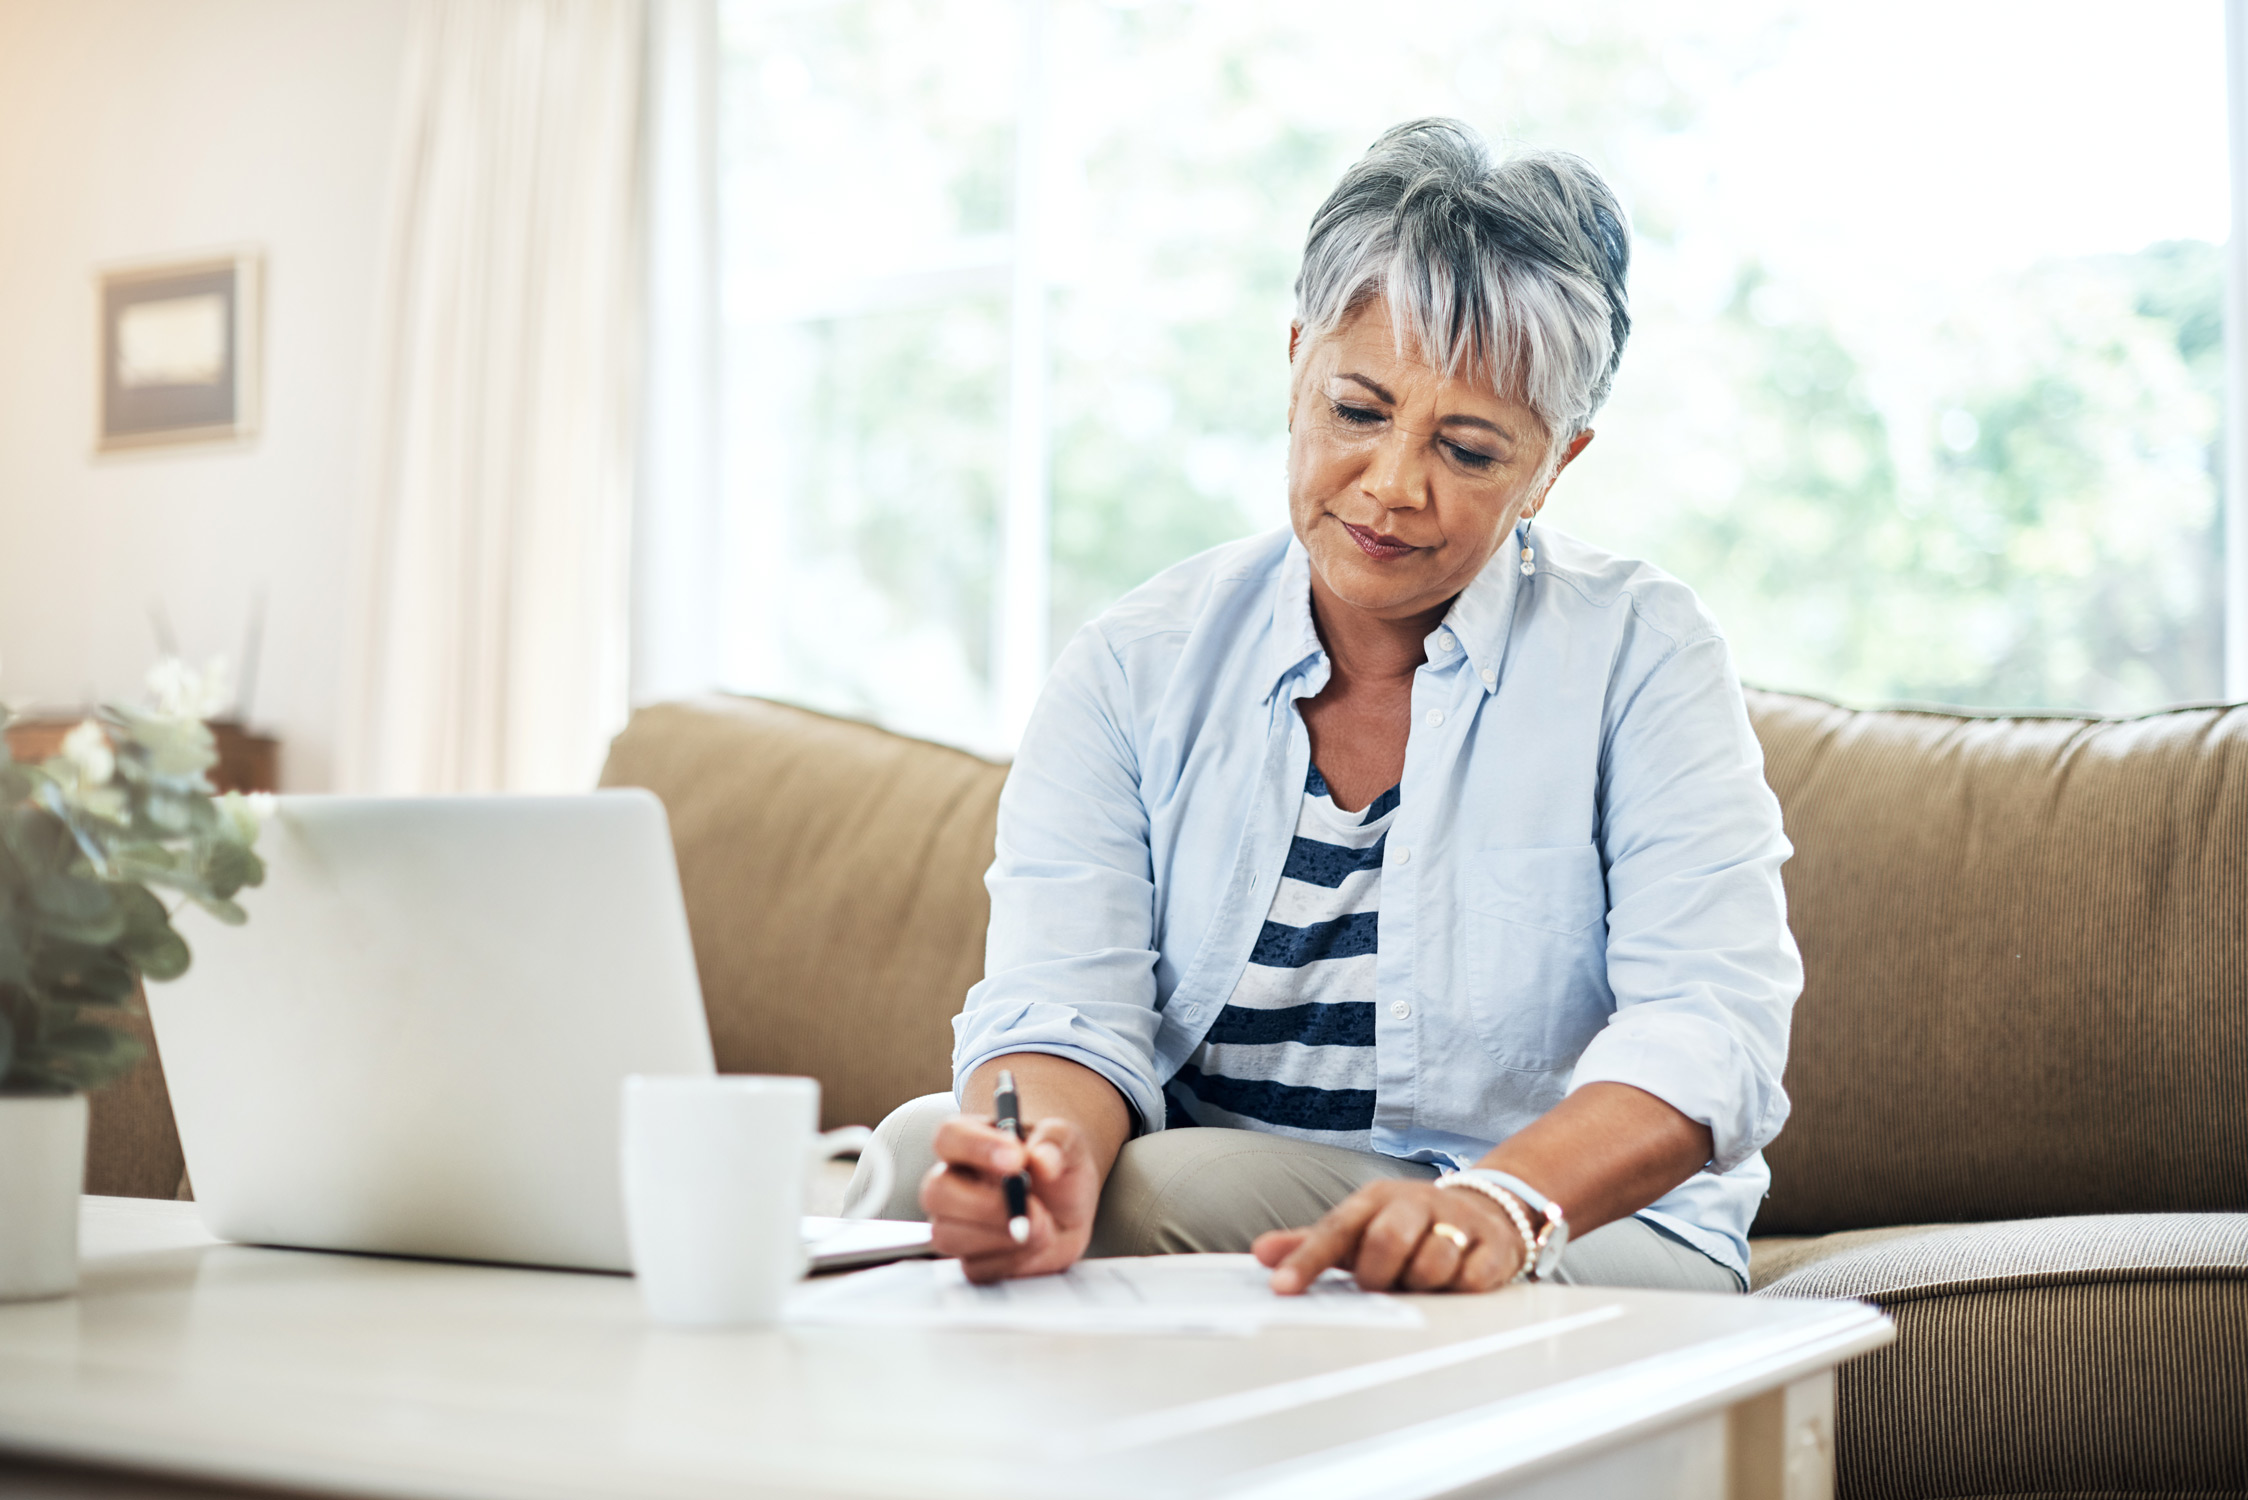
<point>1293,1050</point>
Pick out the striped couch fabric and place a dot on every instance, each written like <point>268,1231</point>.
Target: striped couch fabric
<point>2020,1078</point>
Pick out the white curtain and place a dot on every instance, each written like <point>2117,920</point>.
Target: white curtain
<point>489,645</point>
<point>678,538</point>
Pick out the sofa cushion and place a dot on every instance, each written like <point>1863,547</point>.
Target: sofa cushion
<point>2025,946</point>
<point>834,884</point>
<point>1903,1263</point>
<point>2076,1356</point>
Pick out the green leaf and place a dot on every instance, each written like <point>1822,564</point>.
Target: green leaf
<point>79,909</point>
<point>81,1055</point>
<point>164,957</point>
<point>143,913</point>
<point>171,811</point>
<point>38,840</point>
<point>225,910</point>
<point>82,974</point>
<point>145,862</point>
<point>106,805</point>
<point>227,868</point>
<point>87,1039</point>
<point>15,958</point>
<point>57,802</point>
<point>37,1073</point>
<point>101,1072</point>
<point>150,942</point>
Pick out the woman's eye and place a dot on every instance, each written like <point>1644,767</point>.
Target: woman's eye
<point>1469,458</point>
<point>1356,416</point>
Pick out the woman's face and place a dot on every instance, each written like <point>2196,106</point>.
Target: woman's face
<point>1402,482</point>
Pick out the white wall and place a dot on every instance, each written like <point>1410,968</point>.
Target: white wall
<point>143,128</point>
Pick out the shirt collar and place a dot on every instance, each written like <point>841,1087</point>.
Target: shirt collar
<point>1481,618</point>
<point>1294,639</point>
<point>1483,615</point>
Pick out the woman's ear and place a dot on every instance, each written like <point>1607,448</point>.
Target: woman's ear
<point>1577,445</point>
<point>1295,332</point>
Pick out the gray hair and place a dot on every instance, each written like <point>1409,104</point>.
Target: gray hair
<point>1510,274</point>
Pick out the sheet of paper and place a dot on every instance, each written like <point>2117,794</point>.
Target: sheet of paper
<point>1198,1294</point>
<point>835,1244</point>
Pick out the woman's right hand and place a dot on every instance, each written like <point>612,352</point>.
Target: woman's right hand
<point>967,1208</point>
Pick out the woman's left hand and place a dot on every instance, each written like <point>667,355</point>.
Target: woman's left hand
<point>1387,1235</point>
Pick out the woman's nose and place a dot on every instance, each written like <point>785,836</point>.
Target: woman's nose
<point>1394,477</point>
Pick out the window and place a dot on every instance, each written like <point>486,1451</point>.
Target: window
<point>1923,395</point>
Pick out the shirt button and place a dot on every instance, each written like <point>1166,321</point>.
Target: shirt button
<point>1401,1010</point>
<point>1489,675</point>
<point>1444,640</point>
<point>1400,855</point>
<point>1435,717</point>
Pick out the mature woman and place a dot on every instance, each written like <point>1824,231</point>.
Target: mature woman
<point>1366,895</point>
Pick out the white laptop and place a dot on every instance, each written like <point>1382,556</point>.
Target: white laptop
<point>416,1046</point>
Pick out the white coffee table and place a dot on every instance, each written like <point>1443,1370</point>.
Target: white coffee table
<point>227,1364</point>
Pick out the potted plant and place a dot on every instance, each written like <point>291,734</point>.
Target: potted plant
<point>91,843</point>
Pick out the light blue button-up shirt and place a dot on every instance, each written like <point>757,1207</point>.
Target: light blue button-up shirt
<point>1582,884</point>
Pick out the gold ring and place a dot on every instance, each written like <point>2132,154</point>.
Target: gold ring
<point>1452,1234</point>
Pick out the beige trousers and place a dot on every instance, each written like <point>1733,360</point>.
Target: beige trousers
<point>1217,1190</point>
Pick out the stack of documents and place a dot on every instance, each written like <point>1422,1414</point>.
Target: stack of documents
<point>840,1244</point>
<point>1151,1294</point>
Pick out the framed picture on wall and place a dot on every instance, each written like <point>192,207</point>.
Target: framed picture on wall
<point>179,352</point>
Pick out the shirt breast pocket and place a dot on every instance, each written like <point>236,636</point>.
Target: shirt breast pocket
<point>1537,953</point>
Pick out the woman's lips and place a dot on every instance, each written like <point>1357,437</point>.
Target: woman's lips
<point>1375,545</point>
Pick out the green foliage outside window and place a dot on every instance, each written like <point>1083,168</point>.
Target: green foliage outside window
<point>2055,544</point>
<point>2018,510</point>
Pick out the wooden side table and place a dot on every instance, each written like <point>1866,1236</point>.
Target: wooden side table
<point>248,762</point>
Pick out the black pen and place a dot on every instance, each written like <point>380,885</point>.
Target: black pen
<point>1016,1184</point>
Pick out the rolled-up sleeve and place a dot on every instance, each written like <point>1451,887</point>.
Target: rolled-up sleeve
<point>1069,964</point>
<point>1700,960</point>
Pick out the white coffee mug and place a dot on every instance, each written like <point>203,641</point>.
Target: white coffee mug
<point>714,1174</point>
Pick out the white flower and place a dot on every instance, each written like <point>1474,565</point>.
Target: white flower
<point>181,692</point>
<point>87,750</point>
<point>245,815</point>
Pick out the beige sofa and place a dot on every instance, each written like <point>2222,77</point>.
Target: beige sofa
<point>2020,1064</point>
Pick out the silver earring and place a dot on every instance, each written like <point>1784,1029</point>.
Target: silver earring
<point>1529,553</point>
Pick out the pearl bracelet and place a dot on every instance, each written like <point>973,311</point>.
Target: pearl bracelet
<point>1515,1210</point>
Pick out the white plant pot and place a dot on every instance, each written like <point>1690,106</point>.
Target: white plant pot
<point>42,1166</point>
